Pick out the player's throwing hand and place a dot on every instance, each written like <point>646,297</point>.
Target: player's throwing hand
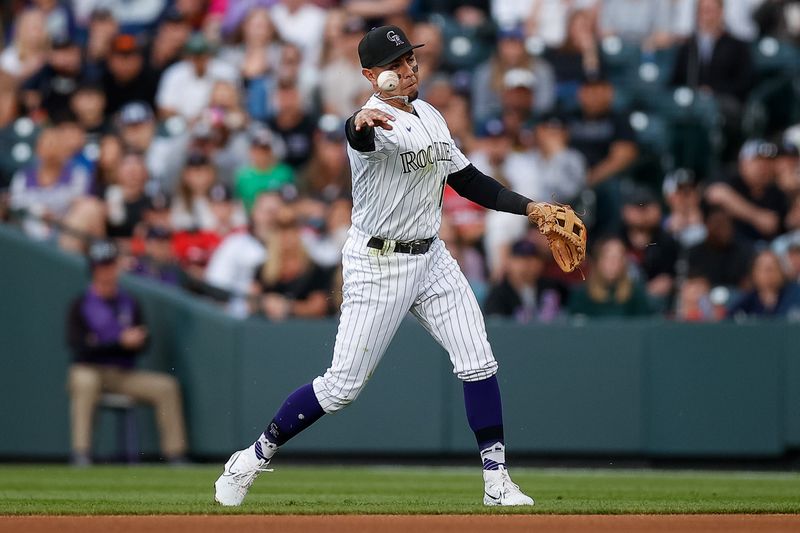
<point>372,118</point>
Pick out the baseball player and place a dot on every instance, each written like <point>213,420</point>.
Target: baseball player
<point>402,155</point>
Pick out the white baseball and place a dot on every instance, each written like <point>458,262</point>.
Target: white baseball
<point>388,80</point>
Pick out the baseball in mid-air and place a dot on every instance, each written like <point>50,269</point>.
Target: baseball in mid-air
<point>388,80</point>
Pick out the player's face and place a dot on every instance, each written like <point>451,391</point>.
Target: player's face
<point>407,70</point>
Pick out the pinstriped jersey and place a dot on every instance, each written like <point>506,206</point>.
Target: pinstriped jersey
<point>398,187</point>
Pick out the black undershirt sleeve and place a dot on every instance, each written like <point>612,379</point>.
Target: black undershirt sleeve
<point>362,140</point>
<point>474,185</point>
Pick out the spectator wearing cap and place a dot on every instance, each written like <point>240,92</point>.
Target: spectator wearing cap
<point>256,54</point>
<point>227,210</point>
<point>607,141</point>
<point>492,79</point>
<point>54,84</point>
<point>721,258</point>
<point>265,171</point>
<point>609,290</point>
<point>137,126</point>
<point>28,50</point>
<point>185,87</point>
<point>751,196</point>
<point>494,155</point>
<point>340,82</point>
<point>294,123</point>
<point>158,261</point>
<point>164,155</point>
<point>158,211</point>
<point>651,250</point>
<point>712,59</point>
<point>772,294</point>
<point>127,77</point>
<point>327,175</point>
<point>126,199</point>
<point>170,38</point>
<point>684,219</point>
<point>106,331</point>
<point>523,294</point>
<point>787,168</point>
<point>518,94</point>
<point>492,147</point>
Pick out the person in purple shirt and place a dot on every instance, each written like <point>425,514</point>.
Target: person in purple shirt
<point>106,332</point>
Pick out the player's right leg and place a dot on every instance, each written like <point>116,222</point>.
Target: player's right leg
<point>449,311</point>
<point>378,292</point>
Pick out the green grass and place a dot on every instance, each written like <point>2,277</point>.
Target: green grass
<point>365,490</point>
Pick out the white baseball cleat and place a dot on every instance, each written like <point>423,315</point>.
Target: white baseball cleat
<point>239,473</point>
<point>500,490</point>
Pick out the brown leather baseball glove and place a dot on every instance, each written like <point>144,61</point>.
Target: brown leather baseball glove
<point>565,233</point>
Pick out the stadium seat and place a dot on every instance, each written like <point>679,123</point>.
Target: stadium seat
<point>653,137</point>
<point>772,57</point>
<point>693,123</point>
<point>620,60</point>
<point>123,408</point>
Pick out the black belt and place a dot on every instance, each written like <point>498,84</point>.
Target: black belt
<point>420,246</point>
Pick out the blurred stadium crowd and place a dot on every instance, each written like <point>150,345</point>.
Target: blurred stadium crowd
<point>206,138</point>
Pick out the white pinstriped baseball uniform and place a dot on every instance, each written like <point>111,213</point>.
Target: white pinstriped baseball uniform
<point>397,195</point>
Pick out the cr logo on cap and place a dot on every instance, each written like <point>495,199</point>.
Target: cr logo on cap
<point>392,36</point>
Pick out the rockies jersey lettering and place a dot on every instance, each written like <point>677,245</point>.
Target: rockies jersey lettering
<point>398,187</point>
<point>439,151</point>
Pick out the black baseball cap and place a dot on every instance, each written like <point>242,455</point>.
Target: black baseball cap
<point>525,248</point>
<point>640,196</point>
<point>382,45</point>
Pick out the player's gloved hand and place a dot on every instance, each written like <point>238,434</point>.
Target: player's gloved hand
<point>373,117</point>
<point>565,232</point>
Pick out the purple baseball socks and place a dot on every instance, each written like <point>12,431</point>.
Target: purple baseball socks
<point>299,410</point>
<point>481,400</point>
<point>485,417</point>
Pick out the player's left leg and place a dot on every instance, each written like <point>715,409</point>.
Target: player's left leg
<point>449,311</point>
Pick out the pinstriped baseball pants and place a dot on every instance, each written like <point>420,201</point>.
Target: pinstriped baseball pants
<point>378,292</point>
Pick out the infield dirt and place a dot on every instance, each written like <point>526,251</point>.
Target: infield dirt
<point>397,524</point>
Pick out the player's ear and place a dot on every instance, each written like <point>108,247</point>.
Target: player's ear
<point>371,76</point>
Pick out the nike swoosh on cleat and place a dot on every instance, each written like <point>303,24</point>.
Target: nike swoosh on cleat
<point>493,498</point>
<point>409,129</point>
